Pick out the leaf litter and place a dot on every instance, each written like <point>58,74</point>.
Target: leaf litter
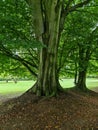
<point>70,111</point>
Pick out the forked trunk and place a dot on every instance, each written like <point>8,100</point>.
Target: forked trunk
<point>47,83</point>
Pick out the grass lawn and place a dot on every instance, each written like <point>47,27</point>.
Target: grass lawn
<point>22,86</point>
<point>11,87</point>
<point>91,83</point>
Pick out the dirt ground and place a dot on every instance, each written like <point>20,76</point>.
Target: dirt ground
<point>70,111</point>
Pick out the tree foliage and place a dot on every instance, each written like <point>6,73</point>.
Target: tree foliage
<point>49,38</point>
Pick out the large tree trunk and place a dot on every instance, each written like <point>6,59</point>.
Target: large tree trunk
<point>49,12</point>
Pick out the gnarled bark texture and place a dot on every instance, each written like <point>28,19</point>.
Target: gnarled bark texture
<point>46,20</point>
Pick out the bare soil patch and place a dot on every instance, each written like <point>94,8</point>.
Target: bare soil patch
<point>73,110</point>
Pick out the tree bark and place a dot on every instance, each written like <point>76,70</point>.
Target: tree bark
<point>83,65</point>
<point>81,84</point>
<point>47,82</point>
<point>48,22</point>
<point>76,74</point>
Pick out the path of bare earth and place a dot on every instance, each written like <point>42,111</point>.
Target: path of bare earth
<point>7,97</point>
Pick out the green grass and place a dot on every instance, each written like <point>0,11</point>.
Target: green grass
<point>22,86</point>
<point>67,83</point>
<point>91,83</point>
<point>11,87</point>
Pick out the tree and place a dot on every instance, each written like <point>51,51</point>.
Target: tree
<point>48,22</point>
<point>48,25</point>
<point>84,43</point>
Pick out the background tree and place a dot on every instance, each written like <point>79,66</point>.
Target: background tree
<point>84,43</point>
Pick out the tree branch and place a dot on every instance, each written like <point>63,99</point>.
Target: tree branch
<point>81,4</point>
<point>10,54</point>
<point>68,4</point>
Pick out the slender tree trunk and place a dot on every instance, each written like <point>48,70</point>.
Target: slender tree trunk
<point>83,65</point>
<point>76,74</point>
<point>81,83</point>
<point>47,82</point>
